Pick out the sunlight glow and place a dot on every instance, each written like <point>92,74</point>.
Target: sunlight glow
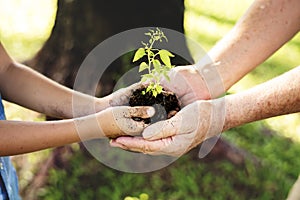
<point>25,25</point>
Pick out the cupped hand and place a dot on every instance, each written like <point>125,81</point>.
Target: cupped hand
<point>195,82</point>
<point>118,121</point>
<point>179,134</point>
<point>117,98</point>
<point>187,84</point>
<point>113,122</point>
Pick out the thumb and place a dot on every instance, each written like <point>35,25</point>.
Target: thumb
<point>163,129</point>
<point>141,111</point>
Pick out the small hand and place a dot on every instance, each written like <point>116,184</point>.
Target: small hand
<point>118,121</point>
<point>179,134</point>
<point>113,122</point>
<point>121,96</point>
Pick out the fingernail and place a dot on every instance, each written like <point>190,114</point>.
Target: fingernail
<point>147,134</point>
<point>150,111</point>
<point>113,143</point>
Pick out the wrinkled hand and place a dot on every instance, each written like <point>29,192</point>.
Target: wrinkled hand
<point>113,122</point>
<point>187,84</point>
<point>195,82</point>
<point>179,134</point>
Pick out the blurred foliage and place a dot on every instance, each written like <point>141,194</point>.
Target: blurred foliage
<point>206,22</point>
<point>269,177</point>
<point>25,25</point>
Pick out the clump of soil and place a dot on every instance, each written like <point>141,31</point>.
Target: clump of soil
<point>166,104</point>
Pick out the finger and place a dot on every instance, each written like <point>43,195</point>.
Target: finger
<point>163,129</point>
<point>138,144</point>
<point>121,96</point>
<point>113,143</point>
<point>131,127</point>
<point>141,111</point>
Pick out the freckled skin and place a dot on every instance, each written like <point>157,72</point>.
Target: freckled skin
<point>261,31</point>
<point>278,96</point>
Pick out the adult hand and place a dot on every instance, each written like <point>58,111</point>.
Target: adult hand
<point>177,135</point>
<point>194,82</point>
<point>187,84</point>
<point>113,122</point>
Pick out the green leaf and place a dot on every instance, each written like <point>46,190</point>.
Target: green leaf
<point>150,53</point>
<point>148,76</point>
<point>166,76</point>
<point>148,88</point>
<point>139,54</point>
<point>156,64</point>
<point>144,79</point>
<point>165,57</point>
<point>168,53</point>
<point>158,88</point>
<point>154,93</point>
<point>143,66</point>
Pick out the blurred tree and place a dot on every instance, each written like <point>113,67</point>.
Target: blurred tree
<point>81,25</point>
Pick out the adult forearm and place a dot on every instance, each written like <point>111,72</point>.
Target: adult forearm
<point>264,28</point>
<point>278,96</point>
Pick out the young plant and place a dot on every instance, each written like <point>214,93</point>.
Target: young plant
<point>158,62</point>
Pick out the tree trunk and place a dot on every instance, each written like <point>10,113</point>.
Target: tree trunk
<point>81,25</point>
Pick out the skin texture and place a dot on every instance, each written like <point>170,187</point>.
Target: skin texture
<point>28,88</point>
<point>263,29</point>
<point>194,123</point>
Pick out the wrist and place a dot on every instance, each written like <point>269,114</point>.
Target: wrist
<point>211,116</point>
<point>218,115</point>
<point>102,103</point>
<point>230,115</point>
<point>239,110</point>
<point>211,77</point>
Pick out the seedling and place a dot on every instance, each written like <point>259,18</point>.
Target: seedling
<point>158,62</point>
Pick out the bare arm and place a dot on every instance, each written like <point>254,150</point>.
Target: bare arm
<point>26,87</point>
<point>22,137</point>
<point>278,96</point>
<point>263,29</point>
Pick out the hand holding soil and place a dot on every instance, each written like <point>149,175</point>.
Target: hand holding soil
<point>177,135</point>
<point>118,121</point>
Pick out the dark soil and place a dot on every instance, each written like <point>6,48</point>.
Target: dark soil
<point>166,104</point>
